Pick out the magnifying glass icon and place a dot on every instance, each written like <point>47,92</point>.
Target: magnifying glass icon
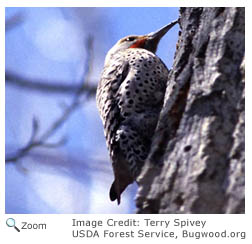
<point>11,223</point>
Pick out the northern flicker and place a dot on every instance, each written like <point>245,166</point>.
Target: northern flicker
<point>129,98</point>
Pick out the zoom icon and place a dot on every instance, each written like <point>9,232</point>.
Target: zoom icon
<point>10,222</point>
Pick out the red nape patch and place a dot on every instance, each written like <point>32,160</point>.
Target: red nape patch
<point>138,44</point>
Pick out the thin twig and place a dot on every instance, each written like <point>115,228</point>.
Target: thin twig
<point>14,21</point>
<point>47,87</point>
<point>41,141</point>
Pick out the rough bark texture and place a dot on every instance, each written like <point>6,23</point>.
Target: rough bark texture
<point>196,164</point>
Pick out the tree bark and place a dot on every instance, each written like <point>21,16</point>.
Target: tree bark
<point>196,163</point>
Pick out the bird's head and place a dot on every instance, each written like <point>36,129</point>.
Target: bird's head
<point>148,42</point>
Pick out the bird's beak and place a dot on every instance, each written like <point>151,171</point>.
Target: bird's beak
<point>153,38</point>
<point>162,31</point>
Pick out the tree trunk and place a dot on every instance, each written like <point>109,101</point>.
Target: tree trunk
<point>196,163</point>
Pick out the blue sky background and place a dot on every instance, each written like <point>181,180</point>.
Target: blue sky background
<point>48,44</point>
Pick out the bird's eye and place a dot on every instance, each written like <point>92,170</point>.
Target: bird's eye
<point>130,39</point>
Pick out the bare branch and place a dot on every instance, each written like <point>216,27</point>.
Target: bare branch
<point>33,143</point>
<point>14,21</point>
<point>42,140</point>
<point>47,87</point>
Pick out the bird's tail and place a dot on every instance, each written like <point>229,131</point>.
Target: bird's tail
<point>114,194</point>
<point>117,189</point>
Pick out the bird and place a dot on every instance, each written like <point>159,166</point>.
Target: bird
<point>129,98</point>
